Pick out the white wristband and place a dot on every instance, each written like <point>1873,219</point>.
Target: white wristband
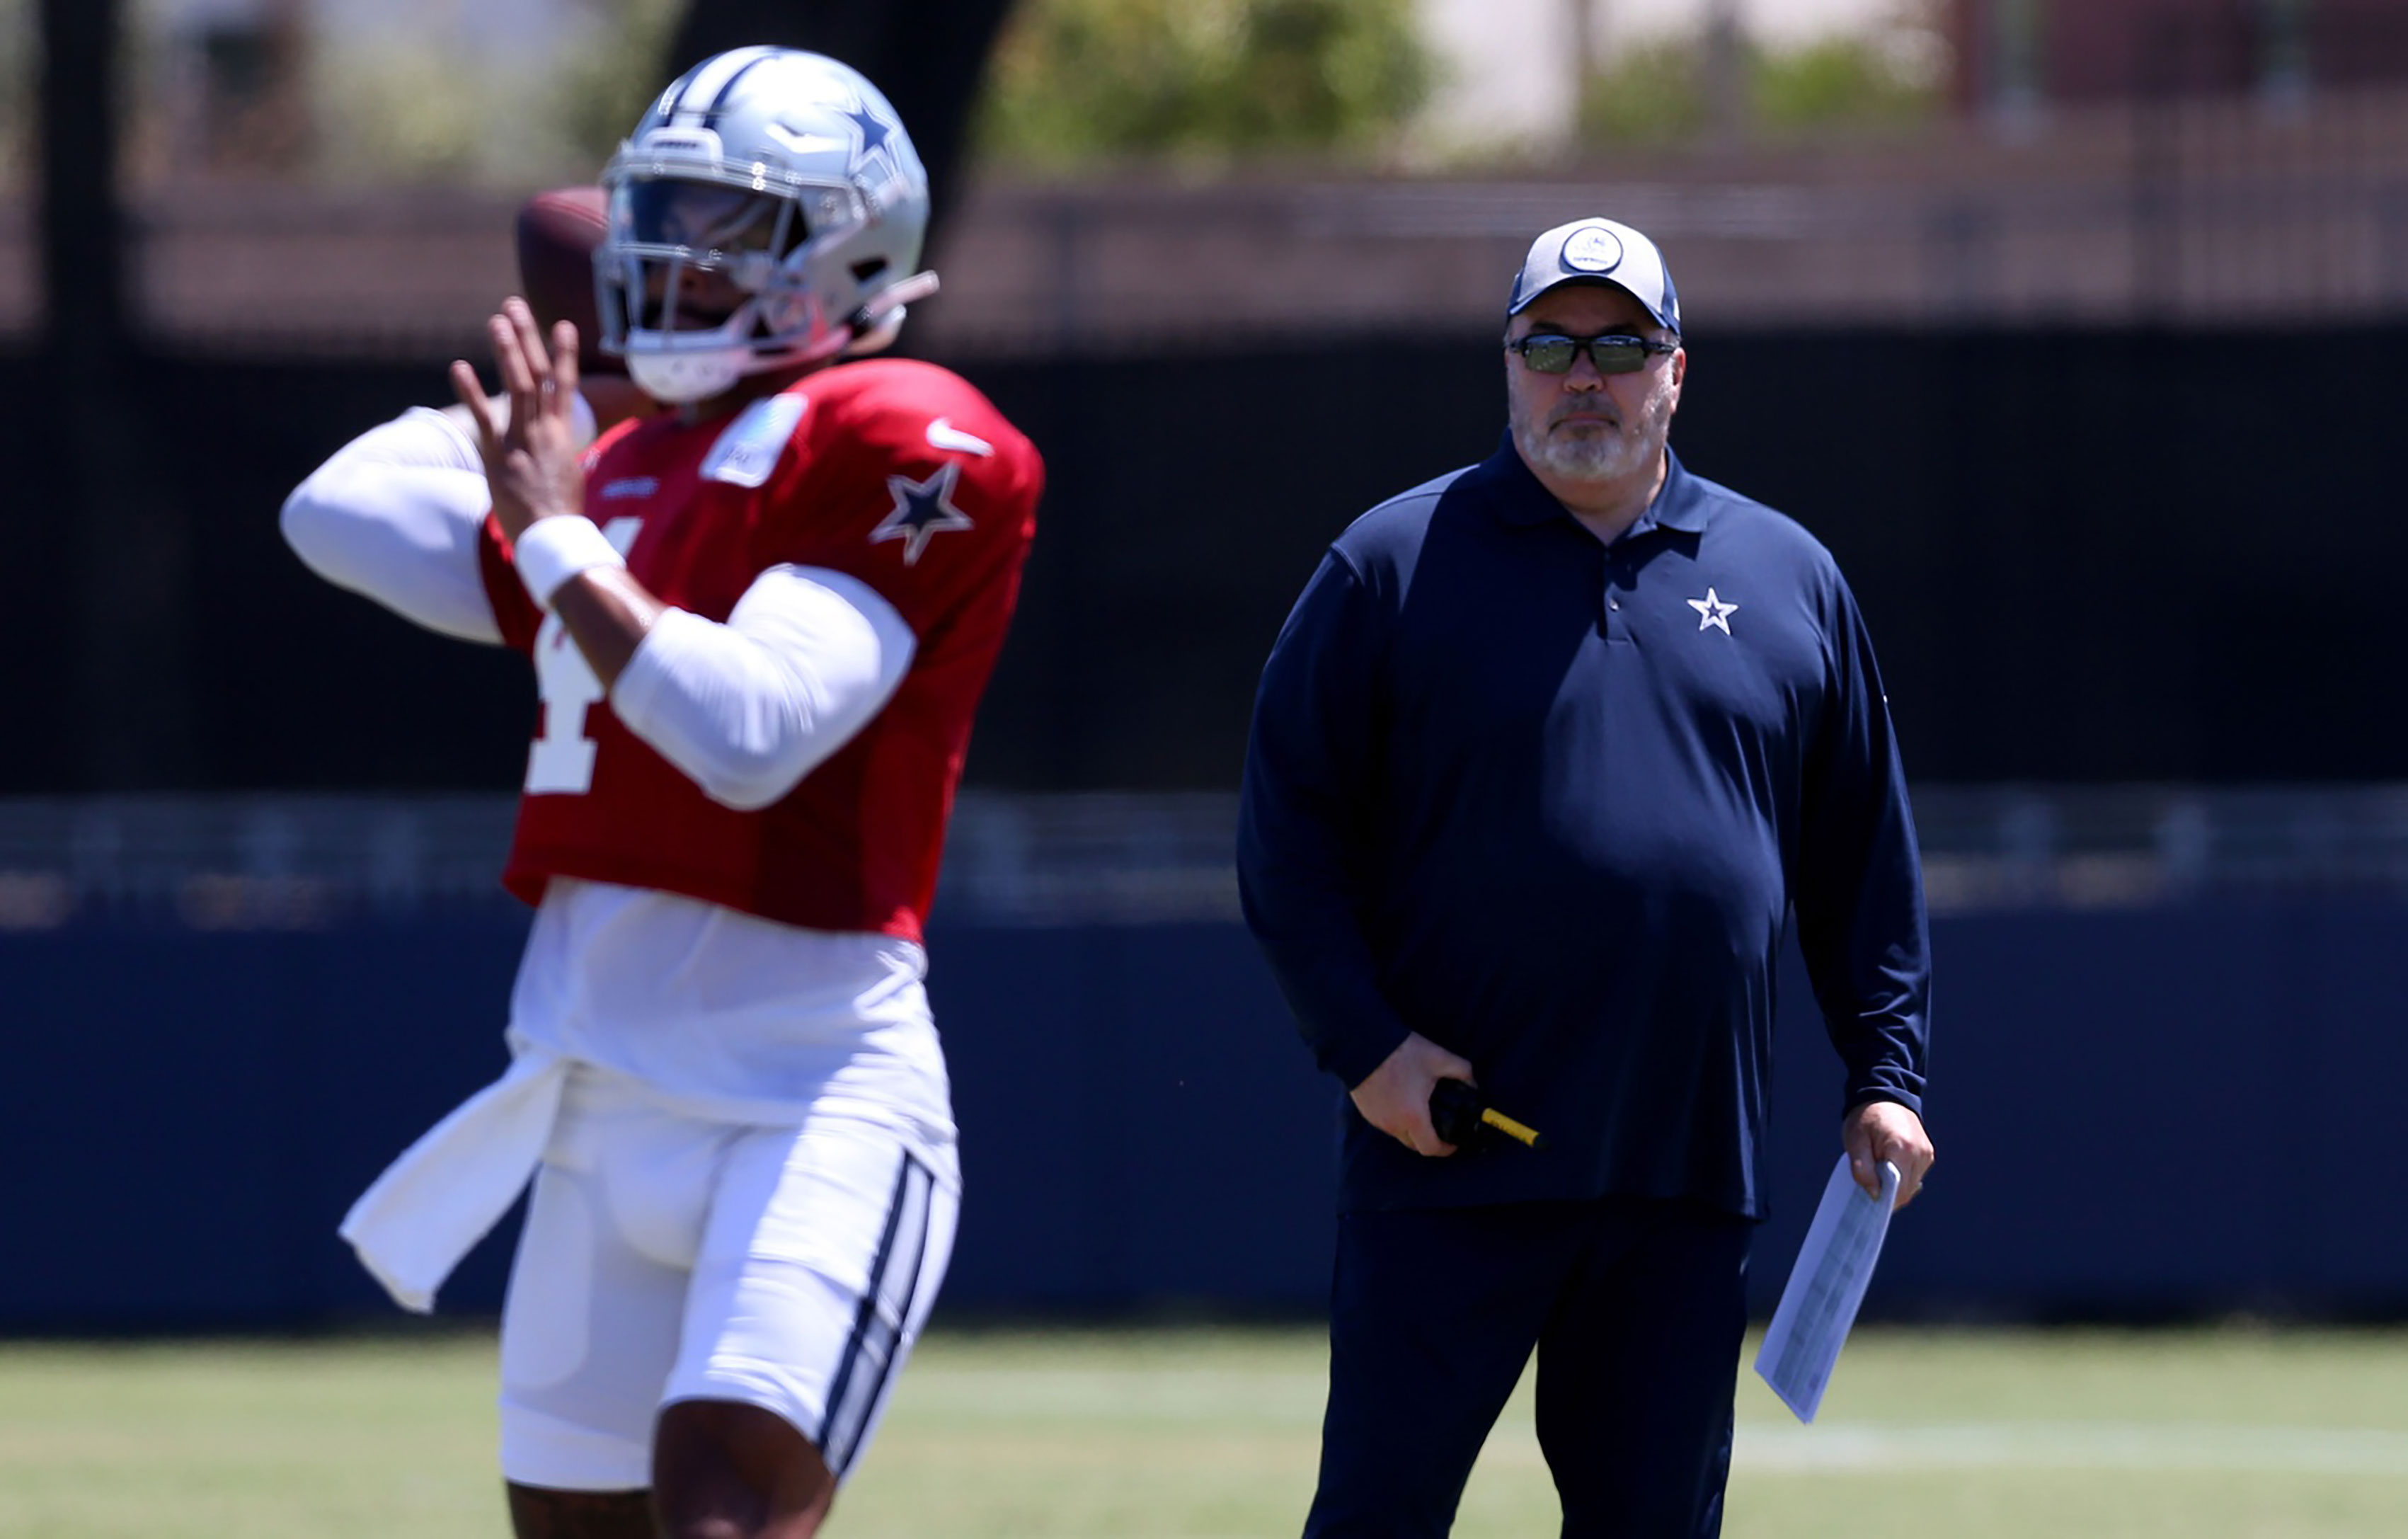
<point>551,550</point>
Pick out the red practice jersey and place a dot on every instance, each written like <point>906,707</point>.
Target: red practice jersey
<point>900,474</point>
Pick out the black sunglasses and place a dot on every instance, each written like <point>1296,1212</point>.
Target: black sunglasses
<point>1616,352</point>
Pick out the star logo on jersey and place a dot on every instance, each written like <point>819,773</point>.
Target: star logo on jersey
<point>922,510</point>
<point>1714,611</point>
<point>876,133</point>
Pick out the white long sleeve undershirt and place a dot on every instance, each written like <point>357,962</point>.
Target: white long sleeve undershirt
<point>397,514</point>
<point>748,709</point>
<point>745,709</point>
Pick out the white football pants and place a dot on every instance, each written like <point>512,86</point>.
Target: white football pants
<point>668,1258</point>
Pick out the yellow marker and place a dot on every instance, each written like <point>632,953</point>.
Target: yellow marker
<point>1510,1128</point>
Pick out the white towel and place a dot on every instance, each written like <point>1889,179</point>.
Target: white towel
<point>452,1186</point>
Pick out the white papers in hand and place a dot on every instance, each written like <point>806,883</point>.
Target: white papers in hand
<point>1810,1326</point>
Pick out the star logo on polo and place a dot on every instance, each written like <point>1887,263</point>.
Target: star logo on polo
<point>1714,611</point>
<point>922,510</point>
<point>875,131</point>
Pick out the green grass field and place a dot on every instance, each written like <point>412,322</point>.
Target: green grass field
<point>2226,1434</point>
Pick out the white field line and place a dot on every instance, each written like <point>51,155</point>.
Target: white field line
<point>1846,1448</point>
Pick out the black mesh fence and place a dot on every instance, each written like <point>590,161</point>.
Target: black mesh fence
<point>2086,556</point>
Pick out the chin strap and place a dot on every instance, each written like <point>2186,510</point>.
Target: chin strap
<point>878,321</point>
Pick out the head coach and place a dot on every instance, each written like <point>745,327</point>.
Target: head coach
<point>1542,761</point>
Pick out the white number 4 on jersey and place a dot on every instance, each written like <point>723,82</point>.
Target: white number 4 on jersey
<point>561,759</point>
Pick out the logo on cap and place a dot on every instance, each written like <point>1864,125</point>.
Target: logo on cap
<point>1594,249</point>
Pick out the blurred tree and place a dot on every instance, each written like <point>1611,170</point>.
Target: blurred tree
<point>404,107</point>
<point>1859,81</point>
<point>16,90</point>
<point>1891,74</point>
<point>1083,79</point>
<point>401,100</point>
<point>1648,92</point>
<point>613,71</point>
<point>410,103</point>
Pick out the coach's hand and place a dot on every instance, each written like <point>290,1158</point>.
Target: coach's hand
<point>531,453</point>
<point>1395,1097</point>
<point>1883,1129</point>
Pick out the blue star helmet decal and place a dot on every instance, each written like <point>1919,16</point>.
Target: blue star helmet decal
<point>875,131</point>
<point>922,510</point>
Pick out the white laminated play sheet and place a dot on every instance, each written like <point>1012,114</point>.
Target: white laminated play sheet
<point>1825,1287</point>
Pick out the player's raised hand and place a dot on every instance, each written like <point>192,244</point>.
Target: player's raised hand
<point>531,455</point>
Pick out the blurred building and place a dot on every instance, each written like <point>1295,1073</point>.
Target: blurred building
<point>231,87</point>
<point>2210,211</point>
<point>2019,56</point>
<point>1515,71</point>
<point>2076,184</point>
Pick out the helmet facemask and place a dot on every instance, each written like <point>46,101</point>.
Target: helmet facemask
<point>705,279</point>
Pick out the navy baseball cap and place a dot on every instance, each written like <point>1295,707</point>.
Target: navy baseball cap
<point>1599,250</point>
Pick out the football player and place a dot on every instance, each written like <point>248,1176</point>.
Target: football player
<point>760,623</point>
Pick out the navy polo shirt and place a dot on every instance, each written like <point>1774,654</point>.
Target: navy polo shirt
<point>1549,802</point>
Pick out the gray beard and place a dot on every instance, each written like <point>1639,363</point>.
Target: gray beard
<point>1595,455</point>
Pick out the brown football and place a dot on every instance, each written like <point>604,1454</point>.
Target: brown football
<point>557,232</point>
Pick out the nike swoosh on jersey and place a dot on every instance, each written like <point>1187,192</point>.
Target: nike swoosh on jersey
<point>943,433</point>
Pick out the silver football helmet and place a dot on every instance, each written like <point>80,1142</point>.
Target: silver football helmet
<point>768,211</point>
